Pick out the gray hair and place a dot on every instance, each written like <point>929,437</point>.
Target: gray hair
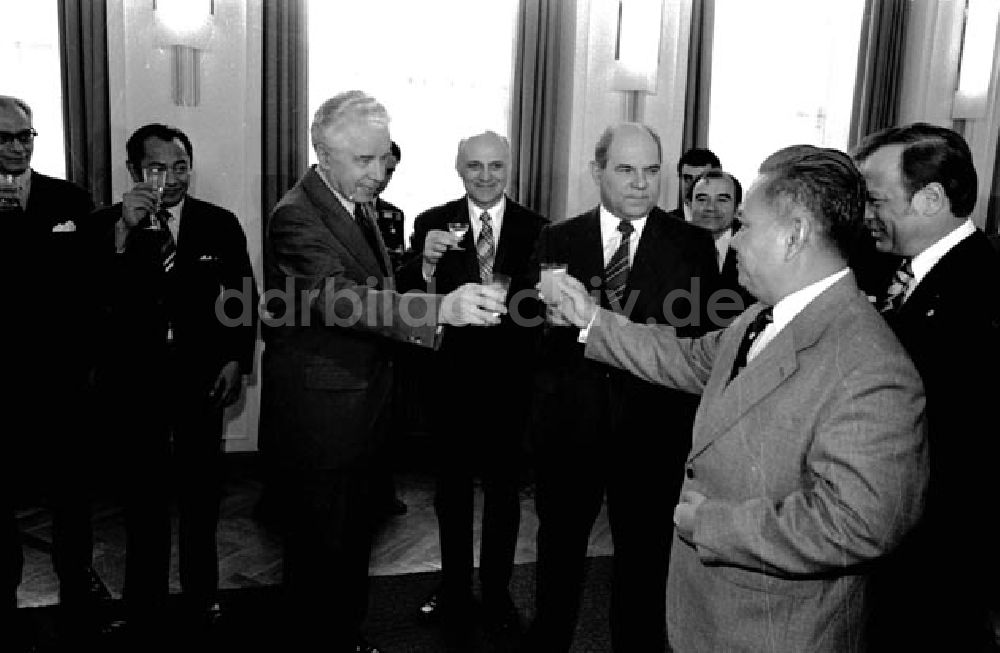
<point>9,101</point>
<point>350,106</point>
<point>465,141</point>
<point>604,142</point>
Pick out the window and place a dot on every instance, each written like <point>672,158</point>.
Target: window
<point>442,69</point>
<point>783,73</point>
<point>29,50</point>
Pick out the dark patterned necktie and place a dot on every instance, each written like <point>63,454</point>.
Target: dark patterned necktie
<point>485,248</point>
<point>168,251</point>
<point>896,293</point>
<point>757,326</point>
<point>365,223</point>
<point>616,272</point>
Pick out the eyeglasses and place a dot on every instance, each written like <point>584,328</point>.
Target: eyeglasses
<point>24,137</point>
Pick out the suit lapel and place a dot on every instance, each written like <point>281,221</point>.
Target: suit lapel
<point>341,223</point>
<point>768,370</point>
<point>513,234</point>
<point>588,249</point>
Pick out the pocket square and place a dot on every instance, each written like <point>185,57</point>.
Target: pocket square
<point>207,258</point>
<point>64,227</point>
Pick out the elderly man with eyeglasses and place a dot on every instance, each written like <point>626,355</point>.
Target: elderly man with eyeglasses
<point>45,331</point>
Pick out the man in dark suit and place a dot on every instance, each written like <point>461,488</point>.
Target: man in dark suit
<point>809,458</point>
<point>591,432</point>
<point>390,218</point>
<point>48,459</point>
<point>944,308</point>
<point>332,317</point>
<point>715,198</point>
<point>481,396</point>
<point>690,166</point>
<point>172,362</point>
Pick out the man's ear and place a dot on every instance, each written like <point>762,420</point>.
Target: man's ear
<point>929,200</point>
<point>595,172</point>
<point>798,232</point>
<point>136,174</point>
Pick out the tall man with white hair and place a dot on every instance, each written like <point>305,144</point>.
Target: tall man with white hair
<point>483,404</point>
<point>332,316</point>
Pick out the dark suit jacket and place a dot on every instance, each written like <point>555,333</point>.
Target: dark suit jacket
<point>585,406</point>
<point>676,213</point>
<point>950,326</point>
<point>391,224</point>
<point>505,350</point>
<point>332,317</point>
<point>143,301</point>
<point>49,328</point>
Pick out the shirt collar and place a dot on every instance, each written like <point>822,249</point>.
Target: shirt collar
<point>496,211</point>
<point>722,245</point>
<point>610,222</point>
<point>346,203</point>
<point>927,259</point>
<point>791,305</point>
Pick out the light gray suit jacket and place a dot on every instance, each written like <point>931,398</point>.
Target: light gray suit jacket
<point>813,461</point>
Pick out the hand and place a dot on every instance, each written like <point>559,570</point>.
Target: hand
<point>138,203</point>
<point>473,304</point>
<point>436,243</point>
<point>684,514</point>
<point>572,306</point>
<point>226,389</point>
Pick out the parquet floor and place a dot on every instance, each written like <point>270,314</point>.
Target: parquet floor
<point>250,555</point>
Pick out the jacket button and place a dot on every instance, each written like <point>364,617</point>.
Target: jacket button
<point>689,472</point>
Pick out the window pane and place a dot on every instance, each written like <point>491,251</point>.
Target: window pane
<point>442,68</point>
<point>782,73</point>
<point>29,50</point>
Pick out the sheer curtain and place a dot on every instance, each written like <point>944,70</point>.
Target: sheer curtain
<point>535,103</point>
<point>285,106</point>
<point>880,64</point>
<point>83,52</point>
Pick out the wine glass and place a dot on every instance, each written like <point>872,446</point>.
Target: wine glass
<point>458,229</point>
<point>157,177</point>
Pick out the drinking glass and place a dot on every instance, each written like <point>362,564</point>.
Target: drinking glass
<point>549,286</point>
<point>9,197</point>
<point>497,280</point>
<point>157,177</point>
<point>458,229</point>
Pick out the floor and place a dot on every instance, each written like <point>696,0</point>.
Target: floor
<point>250,555</point>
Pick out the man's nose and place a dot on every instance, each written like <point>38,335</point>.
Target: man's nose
<point>640,179</point>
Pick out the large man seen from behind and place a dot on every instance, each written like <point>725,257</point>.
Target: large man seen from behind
<point>591,433</point>
<point>170,365</point>
<point>481,380</point>
<point>333,317</point>
<point>944,306</point>
<point>809,459</point>
<point>49,355</point>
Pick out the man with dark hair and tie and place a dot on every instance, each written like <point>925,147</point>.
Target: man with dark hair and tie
<point>944,306</point>
<point>692,164</point>
<point>172,361</point>
<point>716,197</point>
<point>46,456</point>
<point>809,457</point>
<point>590,436</point>
<point>480,396</point>
<point>333,318</point>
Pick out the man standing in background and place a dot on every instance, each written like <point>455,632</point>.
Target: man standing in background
<point>50,358</point>
<point>691,165</point>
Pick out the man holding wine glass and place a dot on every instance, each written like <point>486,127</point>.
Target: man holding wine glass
<point>334,317</point>
<point>480,383</point>
<point>170,365</point>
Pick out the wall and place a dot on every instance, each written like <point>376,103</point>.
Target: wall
<point>224,128</point>
<point>595,105</point>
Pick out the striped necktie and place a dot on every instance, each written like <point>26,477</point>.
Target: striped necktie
<point>168,250</point>
<point>616,272</point>
<point>485,248</point>
<point>364,222</point>
<point>896,293</point>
